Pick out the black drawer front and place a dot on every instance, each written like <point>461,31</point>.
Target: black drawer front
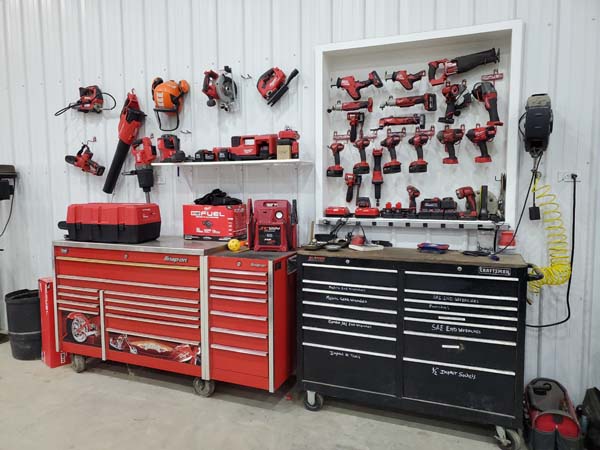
<point>464,352</point>
<point>505,309</point>
<point>349,312</point>
<point>443,327</point>
<point>357,326</point>
<point>345,368</point>
<point>351,288</point>
<point>389,302</point>
<point>462,284</point>
<point>463,387</point>
<point>349,274</point>
<point>322,336</point>
<point>474,316</point>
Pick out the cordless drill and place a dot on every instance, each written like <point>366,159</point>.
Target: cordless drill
<point>485,92</point>
<point>391,142</point>
<point>467,193</point>
<point>457,97</point>
<point>168,146</point>
<point>407,80</point>
<point>377,178</point>
<point>144,153</point>
<point>355,119</point>
<point>413,193</point>
<point>449,137</point>
<point>362,167</point>
<point>480,136</point>
<point>418,140</point>
<point>336,170</point>
<point>429,101</point>
<point>353,87</point>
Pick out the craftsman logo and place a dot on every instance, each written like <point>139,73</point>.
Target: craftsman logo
<point>319,259</point>
<point>175,259</point>
<point>253,264</point>
<point>501,271</point>
<point>207,213</point>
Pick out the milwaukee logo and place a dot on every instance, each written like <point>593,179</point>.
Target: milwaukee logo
<point>175,259</point>
<point>502,271</point>
<point>212,214</point>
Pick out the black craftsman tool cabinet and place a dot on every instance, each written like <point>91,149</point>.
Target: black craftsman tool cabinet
<point>435,334</point>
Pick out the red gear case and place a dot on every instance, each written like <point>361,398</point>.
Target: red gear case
<point>214,222</point>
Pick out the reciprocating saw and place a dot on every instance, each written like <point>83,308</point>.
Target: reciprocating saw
<point>353,87</point>
<point>407,80</point>
<point>460,64</point>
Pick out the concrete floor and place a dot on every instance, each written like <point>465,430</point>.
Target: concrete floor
<point>113,406</point>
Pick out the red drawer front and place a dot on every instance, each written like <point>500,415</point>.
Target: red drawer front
<point>138,312</point>
<point>240,267</point>
<point>156,326</point>
<point>235,359</point>
<point>252,292</point>
<point>243,379</point>
<point>161,302</point>
<point>241,322</point>
<point>166,259</point>
<point>235,304</point>
<point>241,339</point>
<point>78,300</point>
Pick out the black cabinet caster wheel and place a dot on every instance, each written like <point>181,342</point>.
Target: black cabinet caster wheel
<point>313,401</point>
<point>78,363</point>
<point>509,439</point>
<point>204,388</point>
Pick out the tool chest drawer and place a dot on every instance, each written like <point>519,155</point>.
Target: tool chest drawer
<point>347,271</point>
<point>349,325</point>
<point>349,339</point>
<point>350,312</point>
<point>503,332</point>
<point>369,298</point>
<point>459,282</point>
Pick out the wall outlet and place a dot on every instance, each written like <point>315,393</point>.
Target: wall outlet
<point>564,176</point>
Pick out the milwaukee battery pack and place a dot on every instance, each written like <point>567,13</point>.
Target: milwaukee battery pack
<point>123,223</point>
<point>209,222</point>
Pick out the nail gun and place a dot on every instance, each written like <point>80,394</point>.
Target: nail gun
<point>274,83</point>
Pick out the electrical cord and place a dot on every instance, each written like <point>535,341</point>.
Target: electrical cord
<point>572,255</point>
<point>12,200</point>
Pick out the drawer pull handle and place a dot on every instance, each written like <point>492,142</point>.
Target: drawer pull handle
<point>124,263</point>
<point>237,281</point>
<point>362,269</point>
<point>84,297</point>
<point>229,289</point>
<point>459,269</point>
<point>462,319</point>
<point>238,333</point>
<point>238,350</point>
<point>193,318</point>
<point>153,297</point>
<point>239,272</point>
<point>238,316</point>
<point>61,308</point>
<point>80,304</point>
<point>76,288</point>
<point>143,319</point>
<point>460,294</point>
<point>460,305</point>
<point>127,283</point>
<point>150,305</point>
<point>451,347</point>
<point>361,286</point>
<point>238,299</point>
<point>349,294</point>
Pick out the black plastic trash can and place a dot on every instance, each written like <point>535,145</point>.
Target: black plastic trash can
<point>24,327</point>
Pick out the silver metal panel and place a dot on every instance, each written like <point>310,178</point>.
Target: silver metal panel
<point>164,244</point>
<point>271,307</point>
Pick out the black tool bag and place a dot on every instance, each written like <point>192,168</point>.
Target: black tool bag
<point>217,198</point>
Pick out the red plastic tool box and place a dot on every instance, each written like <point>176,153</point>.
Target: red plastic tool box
<point>128,223</point>
<point>210,222</point>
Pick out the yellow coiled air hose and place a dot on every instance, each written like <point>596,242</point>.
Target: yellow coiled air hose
<point>559,269</point>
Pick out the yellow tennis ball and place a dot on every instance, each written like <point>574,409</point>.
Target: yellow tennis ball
<point>234,245</point>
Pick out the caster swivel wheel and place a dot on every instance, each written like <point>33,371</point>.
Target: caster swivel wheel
<point>508,439</point>
<point>313,401</point>
<point>78,363</point>
<point>204,388</point>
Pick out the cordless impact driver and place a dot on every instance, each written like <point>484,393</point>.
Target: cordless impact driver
<point>391,121</point>
<point>450,137</point>
<point>392,140</point>
<point>336,171</point>
<point>418,140</point>
<point>353,87</point>
<point>480,136</point>
<point>144,154</point>
<point>362,167</point>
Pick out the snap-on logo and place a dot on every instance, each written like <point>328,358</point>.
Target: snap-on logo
<point>201,214</point>
<point>253,264</point>
<point>175,259</point>
<point>502,271</point>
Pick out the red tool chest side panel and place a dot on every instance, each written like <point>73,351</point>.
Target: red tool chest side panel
<point>284,288</point>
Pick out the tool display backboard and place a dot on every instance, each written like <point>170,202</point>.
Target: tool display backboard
<point>412,53</point>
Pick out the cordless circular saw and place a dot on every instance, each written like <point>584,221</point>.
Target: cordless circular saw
<point>220,88</point>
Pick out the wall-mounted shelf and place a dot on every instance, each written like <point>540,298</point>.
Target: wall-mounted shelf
<point>417,223</point>
<point>257,162</point>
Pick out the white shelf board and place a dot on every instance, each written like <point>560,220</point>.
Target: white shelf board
<point>416,223</point>
<point>255,162</point>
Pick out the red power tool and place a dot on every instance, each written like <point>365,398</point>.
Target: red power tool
<point>429,101</point>
<point>353,87</point>
<point>413,119</point>
<point>336,170</point>
<point>290,137</point>
<point>351,180</point>
<point>144,153</point>
<point>413,194</point>
<point>274,83</point>
<point>355,119</point>
<point>362,167</point>
<point>485,92</point>
<point>407,80</point>
<point>83,160</point>
<point>418,140</point>
<point>460,64</point>
<point>272,225</point>
<point>168,146</point>
<point>480,136</point>
<point>467,193</point>
<point>220,87</point>
<point>253,147</point>
<point>391,142</point>
<point>377,178</point>
<point>91,98</point>
<point>449,137</point>
<point>364,209</point>
<point>131,120</point>
<point>457,97</point>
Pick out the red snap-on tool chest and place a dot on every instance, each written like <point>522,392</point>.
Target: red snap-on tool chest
<point>128,223</point>
<point>214,222</point>
<point>50,356</point>
<point>251,318</point>
<point>137,304</point>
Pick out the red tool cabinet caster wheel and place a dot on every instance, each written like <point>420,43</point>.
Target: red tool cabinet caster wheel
<point>78,363</point>
<point>204,388</point>
<point>313,401</point>
<point>508,439</point>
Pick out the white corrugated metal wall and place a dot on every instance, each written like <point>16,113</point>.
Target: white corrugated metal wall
<point>50,47</point>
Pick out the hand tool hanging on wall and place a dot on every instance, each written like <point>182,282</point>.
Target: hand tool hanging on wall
<point>144,153</point>
<point>220,88</point>
<point>377,178</point>
<point>467,193</point>
<point>413,119</point>
<point>460,64</point>
<point>336,170</point>
<point>429,101</point>
<point>480,136</point>
<point>485,92</point>
<point>457,97</point>
<point>91,98</point>
<point>407,80</point>
<point>83,160</point>
<point>355,119</point>
<point>353,87</point>
<point>131,120</point>
<point>168,99</point>
<point>274,83</point>
<point>169,148</point>
<point>418,140</point>
<point>450,137</point>
<point>392,140</point>
<point>362,167</point>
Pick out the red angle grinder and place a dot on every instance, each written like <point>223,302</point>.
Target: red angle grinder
<point>272,225</point>
<point>274,83</point>
<point>83,160</point>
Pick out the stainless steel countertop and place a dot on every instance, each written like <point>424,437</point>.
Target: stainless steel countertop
<point>171,244</point>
